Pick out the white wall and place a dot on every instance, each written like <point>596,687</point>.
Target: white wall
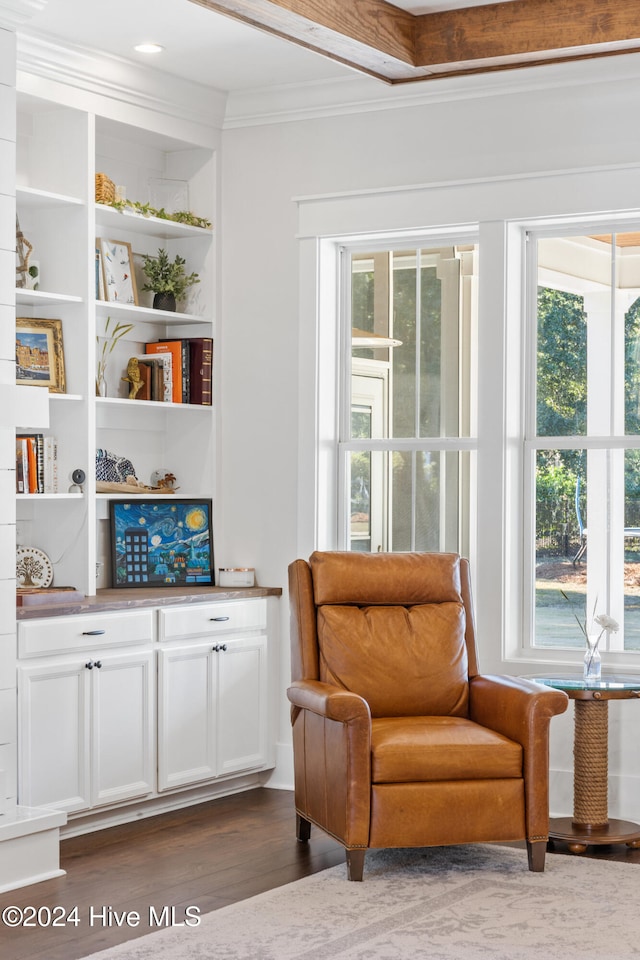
<point>567,118</point>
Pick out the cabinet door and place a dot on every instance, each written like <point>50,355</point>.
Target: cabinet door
<point>122,727</point>
<point>53,735</point>
<point>242,705</point>
<point>186,718</point>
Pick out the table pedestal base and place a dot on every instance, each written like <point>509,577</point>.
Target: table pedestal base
<point>580,836</point>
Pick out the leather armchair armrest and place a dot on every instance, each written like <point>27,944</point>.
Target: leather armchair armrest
<point>332,749</point>
<point>328,701</point>
<point>521,710</point>
<point>514,706</point>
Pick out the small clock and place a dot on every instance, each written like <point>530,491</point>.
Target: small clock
<point>33,568</point>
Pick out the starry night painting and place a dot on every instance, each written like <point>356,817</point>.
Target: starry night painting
<point>161,543</point>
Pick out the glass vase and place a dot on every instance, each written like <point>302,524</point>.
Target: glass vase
<point>592,660</point>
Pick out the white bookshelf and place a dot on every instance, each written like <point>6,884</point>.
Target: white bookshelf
<point>59,150</point>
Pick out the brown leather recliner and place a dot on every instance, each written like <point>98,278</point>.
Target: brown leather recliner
<point>398,740</point>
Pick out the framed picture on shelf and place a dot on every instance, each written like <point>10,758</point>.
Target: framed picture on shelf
<point>161,542</point>
<point>117,270</point>
<point>40,353</point>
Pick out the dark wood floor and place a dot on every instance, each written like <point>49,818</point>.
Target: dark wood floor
<point>206,856</point>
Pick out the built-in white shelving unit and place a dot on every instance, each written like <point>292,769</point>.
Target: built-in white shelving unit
<point>59,151</point>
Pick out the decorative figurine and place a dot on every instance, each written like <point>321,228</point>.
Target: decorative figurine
<point>133,377</point>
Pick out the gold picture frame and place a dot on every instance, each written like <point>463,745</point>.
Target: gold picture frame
<point>118,271</point>
<point>40,354</point>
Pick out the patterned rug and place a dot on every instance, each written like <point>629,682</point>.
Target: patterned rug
<point>446,903</point>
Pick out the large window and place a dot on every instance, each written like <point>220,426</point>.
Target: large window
<point>583,436</point>
<point>407,413</point>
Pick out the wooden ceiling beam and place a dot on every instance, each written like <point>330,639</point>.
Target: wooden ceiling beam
<point>522,30</point>
<point>371,35</point>
<point>378,38</point>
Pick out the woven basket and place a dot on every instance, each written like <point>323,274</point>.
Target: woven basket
<point>105,189</point>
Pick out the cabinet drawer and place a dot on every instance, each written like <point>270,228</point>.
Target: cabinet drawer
<point>212,618</point>
<point>55,635</point>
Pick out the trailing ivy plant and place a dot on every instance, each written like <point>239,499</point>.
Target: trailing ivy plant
<point>146,210</point>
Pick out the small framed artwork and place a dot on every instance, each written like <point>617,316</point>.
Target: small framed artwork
<point>161,542</point>
<point>118,273</point>
<point>40,353</point>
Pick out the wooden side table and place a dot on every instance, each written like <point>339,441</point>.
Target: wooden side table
<point>590,823</point>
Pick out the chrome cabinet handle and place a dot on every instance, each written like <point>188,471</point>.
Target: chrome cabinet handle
<point>219,619</point>
<point>89,665</point>
<point>93,633</point>
<point>219,647</point>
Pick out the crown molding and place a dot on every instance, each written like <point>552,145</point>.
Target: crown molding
<point>13,13</point>
<point>360,94</point>
<point>95,75</point>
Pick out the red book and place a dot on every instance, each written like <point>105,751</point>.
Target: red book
<point>201,366</point>
<point>174,347</point>
<point>33,465</point>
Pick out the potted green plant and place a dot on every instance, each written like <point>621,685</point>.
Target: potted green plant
<point>167,279</point>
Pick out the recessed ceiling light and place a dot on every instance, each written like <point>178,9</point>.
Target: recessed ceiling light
<point>148,48</point>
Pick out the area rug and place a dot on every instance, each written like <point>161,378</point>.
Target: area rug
<point>446,903</point>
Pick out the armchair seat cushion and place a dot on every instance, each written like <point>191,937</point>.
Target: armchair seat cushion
<point>423,749</point>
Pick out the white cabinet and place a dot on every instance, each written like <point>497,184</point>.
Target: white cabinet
<point>59,151</point>
<point>86,729</point>
<point>87,712</point>
<point>132,705</point>
<point>212,693</point>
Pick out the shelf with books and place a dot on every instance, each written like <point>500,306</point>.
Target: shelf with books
<point>149,404</point>
<point>53,497</point>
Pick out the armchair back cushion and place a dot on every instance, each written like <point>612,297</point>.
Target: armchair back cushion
<point>404,661</point>
<point>392,630</point>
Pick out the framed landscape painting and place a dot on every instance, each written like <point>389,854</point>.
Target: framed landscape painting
<point>161,543</point>
<point>40,353</point>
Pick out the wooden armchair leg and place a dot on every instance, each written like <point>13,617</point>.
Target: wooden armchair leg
<point>303,829</point>
<point>536,853</point>
<point>355,864</point>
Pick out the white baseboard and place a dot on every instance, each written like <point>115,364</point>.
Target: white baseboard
<point>281,778</point>
<point>142,809</point>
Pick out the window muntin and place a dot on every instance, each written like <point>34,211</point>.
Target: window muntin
<point>407,406</point>
<point>584,441</point>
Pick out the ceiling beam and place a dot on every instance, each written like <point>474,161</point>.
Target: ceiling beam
<point>378,38</point>
<point>525,30</point>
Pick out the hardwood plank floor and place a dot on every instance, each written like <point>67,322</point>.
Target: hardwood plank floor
<point>206,856</point>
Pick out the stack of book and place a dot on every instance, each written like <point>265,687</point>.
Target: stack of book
<point>36,463</point>
<point>177,371</point>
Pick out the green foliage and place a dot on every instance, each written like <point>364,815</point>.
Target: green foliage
<point>561,364</point>
<point>554,482</point>
<point>146,210</point>
<point>562,401</point>
<point>166,276</point>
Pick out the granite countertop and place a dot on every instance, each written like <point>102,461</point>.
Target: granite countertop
<point>135,599</point>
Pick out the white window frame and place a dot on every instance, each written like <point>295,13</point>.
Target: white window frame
<point>442,445</point>
<point>613,439</point>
